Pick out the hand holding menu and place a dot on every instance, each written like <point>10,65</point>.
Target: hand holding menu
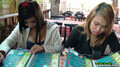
<point>74,59</point>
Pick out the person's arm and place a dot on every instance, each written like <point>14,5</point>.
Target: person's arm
<point>72,41</point>
<point>10,41</point>
<point>113,42</point>
<point>57,43</point>
<point>2,52</point>
<point>37,48</point>
<point>2,55</point>
<point>74,38</point>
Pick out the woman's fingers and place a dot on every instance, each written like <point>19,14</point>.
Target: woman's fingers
<point>36,48</point>
<point>72,48</point>
<point>1,57</point>
<point>65,51</point>
<point>33,49</point>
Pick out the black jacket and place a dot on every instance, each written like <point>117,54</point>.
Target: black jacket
<point>81,44</point>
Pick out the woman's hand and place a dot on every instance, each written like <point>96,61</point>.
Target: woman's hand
<point>1,57</point>
<point>37,48</point>
<point>65,51</point>
<point>2,54</point>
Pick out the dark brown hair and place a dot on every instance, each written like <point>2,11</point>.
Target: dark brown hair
<point>27,10</point>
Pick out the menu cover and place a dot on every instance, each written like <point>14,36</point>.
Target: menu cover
<point>74,59</point>
<point>22,58</point>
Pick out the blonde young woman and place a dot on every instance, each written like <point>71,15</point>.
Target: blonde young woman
<point>95,35</point>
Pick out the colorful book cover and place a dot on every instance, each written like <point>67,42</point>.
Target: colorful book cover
<point>22,58</point>
<point>108,61</point>
<point>74,59</point>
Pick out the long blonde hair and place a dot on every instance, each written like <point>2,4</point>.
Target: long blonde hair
<point>106,11</point>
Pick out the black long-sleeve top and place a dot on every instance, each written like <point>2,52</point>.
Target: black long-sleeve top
<point>82,45</point>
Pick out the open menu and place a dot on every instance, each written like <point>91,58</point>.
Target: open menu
<point>74,59</point>
<point>22,58</point>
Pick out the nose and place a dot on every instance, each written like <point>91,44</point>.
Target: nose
<point>98,28</point>
<point>27,24</point>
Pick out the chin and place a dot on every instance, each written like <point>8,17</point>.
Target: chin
<point>31,27</point>
<point>94,34</point>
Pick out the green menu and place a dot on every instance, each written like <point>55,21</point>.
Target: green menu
<point>74,59</point>
<point>22,58</point>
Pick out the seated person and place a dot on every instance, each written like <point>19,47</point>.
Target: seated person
<point>32,32</point>
<point>92,37</point>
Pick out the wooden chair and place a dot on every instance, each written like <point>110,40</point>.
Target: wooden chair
<point>80,16</point>
<point>58,17</point>
<point>71,26</point>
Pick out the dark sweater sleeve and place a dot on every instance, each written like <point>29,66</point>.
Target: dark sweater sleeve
<point>113,42</point>
<point>74,37</point>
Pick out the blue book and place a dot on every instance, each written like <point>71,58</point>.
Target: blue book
<point>22,58</point>
<point>75,59</point>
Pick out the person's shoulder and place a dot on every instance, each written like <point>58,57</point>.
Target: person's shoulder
<point>17,25</point>
<point>112,34</point>
<point>51,25</point>
<point>80,28</point>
